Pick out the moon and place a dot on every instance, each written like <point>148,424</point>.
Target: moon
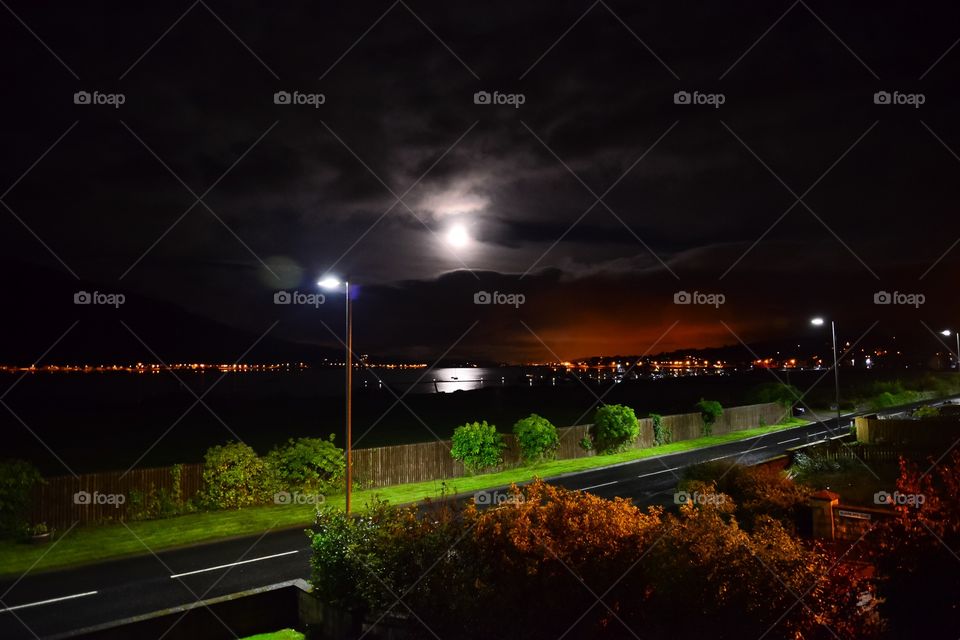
<point>457,236</point>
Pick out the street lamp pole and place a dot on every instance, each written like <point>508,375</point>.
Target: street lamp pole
<point>836,369</point>
<point>836,364</point>
<point>330,282</point>
<point>349,392</point>
<point>947,332</point>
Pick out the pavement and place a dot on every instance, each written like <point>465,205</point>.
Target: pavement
<point>50,603</point>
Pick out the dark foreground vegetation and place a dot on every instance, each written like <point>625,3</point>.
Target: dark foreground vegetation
<point>730,564</point>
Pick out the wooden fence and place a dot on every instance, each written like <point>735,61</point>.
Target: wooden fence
<point>108,496</point>
<point>426,461</point>
<point>919,433</point>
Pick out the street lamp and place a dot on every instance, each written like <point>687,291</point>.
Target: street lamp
<point>330,283</point>
<point>819,322</point>
<point>947,332</point>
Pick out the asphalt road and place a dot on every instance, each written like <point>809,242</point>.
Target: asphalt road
<point>47,604</point>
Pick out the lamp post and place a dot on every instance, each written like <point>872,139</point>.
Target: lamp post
<point>947,332</point>
<point>329,283</point>
<point>836,370</point>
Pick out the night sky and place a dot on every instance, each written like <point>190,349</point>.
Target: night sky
<point>598,198</point>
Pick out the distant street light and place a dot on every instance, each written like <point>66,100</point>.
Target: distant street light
<point>947,332</point>
<point>329,283</point>
<point>819,322</point>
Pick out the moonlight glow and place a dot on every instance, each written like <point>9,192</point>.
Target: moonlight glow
<point>457,236</point>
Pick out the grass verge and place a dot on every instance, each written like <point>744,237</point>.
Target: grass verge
<point>100,542</point>
<point>283,634</point>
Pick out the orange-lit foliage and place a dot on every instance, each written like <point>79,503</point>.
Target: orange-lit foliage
<point>553,562</point>
<point>917,552</point>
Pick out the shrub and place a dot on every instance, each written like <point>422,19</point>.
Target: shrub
<point>536,437</point>
<point>615,428</point>
<point>756,491</point>
<point>234,477</point>
<point>662,434</point>
<point>710,411</point>
<point>477,445</point>
<point>586,443</point>
<point>308,464</point>
<point>927,412</point>
<point>529,563</point>
<point>805,465</point>
<point>17,480</point>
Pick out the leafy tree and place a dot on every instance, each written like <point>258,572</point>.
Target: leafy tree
<point>477,445</point>
<point>615,428</point>
<point>536,437</point>
<point>17,480</point>
<point>710,411</point>
<point>662,434</point>
<point>308,464</point>
<point>234,477</point>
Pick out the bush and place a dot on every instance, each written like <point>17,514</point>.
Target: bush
<point>805,465</point>
<point>756,491</point>
<point>234,477</point>
<point>308,464</point>
<point>710,411</point>
<point>17,480</point>
<point>927,412</point>
<point>662,434</point>
<point>477,445</point>
<point>615,428</point>
<point>536,437</point>
<point>529,563</point>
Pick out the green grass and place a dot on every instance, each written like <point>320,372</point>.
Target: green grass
<point>284,634</point>
<point>93,543</point>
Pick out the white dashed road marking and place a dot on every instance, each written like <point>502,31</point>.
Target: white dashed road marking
<point>50,601</point>
<point>233,564</point>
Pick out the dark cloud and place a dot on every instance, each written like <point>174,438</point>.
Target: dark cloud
<point>317,192</point>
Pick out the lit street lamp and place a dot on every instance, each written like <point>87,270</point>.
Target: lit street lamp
<point>330,283</point>
<point>818,322</point>
<point>947,332</point>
